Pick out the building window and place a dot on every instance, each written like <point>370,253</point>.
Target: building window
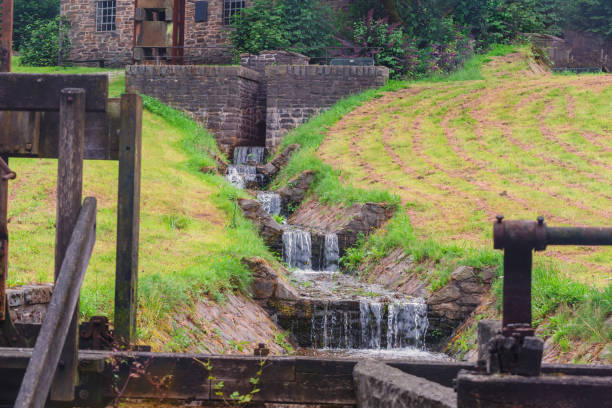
<point>231,7</point>
<point>106,11</point>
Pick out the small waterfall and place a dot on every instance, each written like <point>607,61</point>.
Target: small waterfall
<point>271,202</point>
<point>245,154</point>
<point>370,318</point>
<point>406,324</point>
<point>375,326</point>
<point>331,253</point>
<point>241,175</point>
<point>297,249</point>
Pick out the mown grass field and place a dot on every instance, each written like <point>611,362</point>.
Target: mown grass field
<point>452,151</point>
<point>516,142</point>
<point>191,236</point>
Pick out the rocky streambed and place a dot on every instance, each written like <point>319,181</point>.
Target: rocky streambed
<point>325,310</point>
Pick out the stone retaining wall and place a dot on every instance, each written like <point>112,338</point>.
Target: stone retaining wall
<point>576,50</point>
<point>295,93</point>
<point>28,304</point>
<point>222,98</point>
<point>378,385</point>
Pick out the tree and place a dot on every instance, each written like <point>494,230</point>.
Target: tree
<point>29,12</point>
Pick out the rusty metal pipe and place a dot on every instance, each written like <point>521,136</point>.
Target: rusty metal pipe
<point>578,236</point>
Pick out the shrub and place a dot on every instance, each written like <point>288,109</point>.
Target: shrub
<point>385,43</point>
<point>41,49</point>
<point>27,12</point>
<point>302,26</point>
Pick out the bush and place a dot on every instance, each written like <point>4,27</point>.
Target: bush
<point>41,49</point>
<point>302,26</point>
<point>385,43</point>
<point>28,12</point>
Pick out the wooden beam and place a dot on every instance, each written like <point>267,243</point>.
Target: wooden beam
<point>53,334</point>
<point>40,92</point>
<point>6,34</point>
<point>36,134</point>
<point>69,196</point>
<point>128,218</point>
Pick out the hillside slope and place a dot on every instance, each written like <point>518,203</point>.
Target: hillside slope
<point>519,142</point>
<point>192,285</point>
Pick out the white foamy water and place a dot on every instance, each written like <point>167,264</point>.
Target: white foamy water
<point>245,154</point>
<point>271,202</point>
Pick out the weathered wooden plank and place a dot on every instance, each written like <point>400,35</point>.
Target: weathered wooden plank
<point>128,218</point>
<point>41,131</point>
<point>69,196</point>
<point>155,34</point>
<point>513,391</point>
<point>39,374</point>
<point>41,92</point>
<point>19,132</point>
<point>6,34</point>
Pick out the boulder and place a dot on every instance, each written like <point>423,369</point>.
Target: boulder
<point>454,302</point>
<point>295,190</point>
<point>267,283</point>
<point>270,230</point>
<point>271,169</point>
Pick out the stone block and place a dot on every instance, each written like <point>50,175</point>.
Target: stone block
<point>378,385</point>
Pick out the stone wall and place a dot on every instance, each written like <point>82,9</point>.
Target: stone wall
<point>378,385</point>
<point>576,50</point>
<point>114,47</point>
<point>28,304</point>
<point>207,42</point>
<point>222,98</point>
<point>296,93</point>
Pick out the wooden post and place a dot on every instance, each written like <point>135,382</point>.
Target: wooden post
<point>6,34</point>
<point>128,218</point>
<point>3,243</point>
<point>69,198</point>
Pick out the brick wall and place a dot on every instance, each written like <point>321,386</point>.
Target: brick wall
<point>211,34</point>
<point>222,98</point>
<point>115,47</point>
<point>296,93</point>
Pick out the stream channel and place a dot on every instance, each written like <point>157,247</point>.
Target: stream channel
<point>349,318</point>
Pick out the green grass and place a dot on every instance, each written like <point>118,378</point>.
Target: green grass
<point>17,67</point>
<point>439,227</point>
<point>192,236</point>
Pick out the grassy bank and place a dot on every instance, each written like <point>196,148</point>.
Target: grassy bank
<point>192,237</point>
<point>431,148</point>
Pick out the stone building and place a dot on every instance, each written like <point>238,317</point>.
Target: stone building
<point>112,32</point>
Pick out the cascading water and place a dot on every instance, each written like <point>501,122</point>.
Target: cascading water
<point>241,175</point>
<point>331,253</point>
<point>297,248</point>
<point>374,326</point>
<point>246,154</point>
<point>271,202</point>
<point>406,324</point>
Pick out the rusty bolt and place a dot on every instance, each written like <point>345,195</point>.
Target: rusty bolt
<point>84,394</point>
<point>500,218</point>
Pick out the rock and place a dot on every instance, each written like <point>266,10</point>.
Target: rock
<point>271,169</point>
<point>295,190</point>
<point>378,385</point>
<point>270,230</point>
<point>460,297</point>
<point>463,273</point>
<point>267,284</point>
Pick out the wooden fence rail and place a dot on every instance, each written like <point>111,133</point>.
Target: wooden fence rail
<point>45,356</point>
